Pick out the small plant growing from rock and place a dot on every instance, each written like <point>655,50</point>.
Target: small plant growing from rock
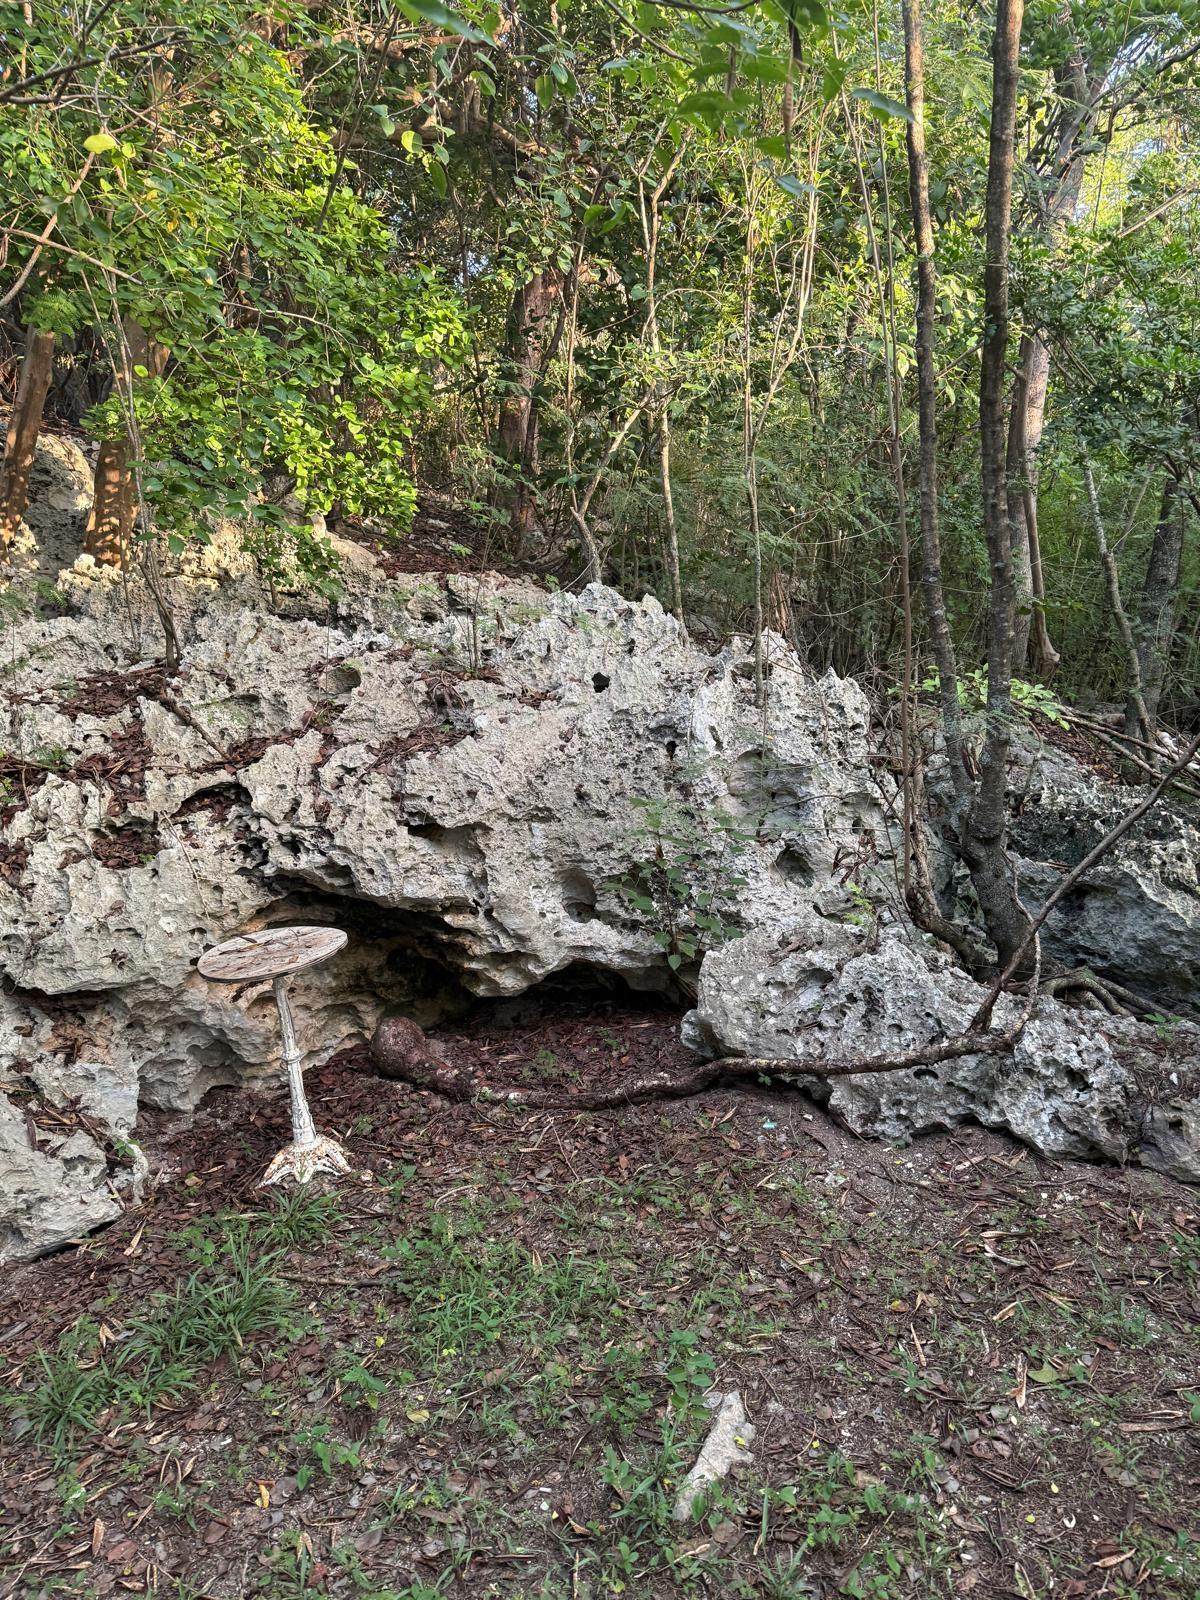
<point>690,868</point>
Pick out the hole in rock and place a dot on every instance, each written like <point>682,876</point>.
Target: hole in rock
<point>793,865</point>
<point>216,802</point>
<point>578,896</point>
<point>600,681</point>
<point>391,962</point>
<point>578,990</point>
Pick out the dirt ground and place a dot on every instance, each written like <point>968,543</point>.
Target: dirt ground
<point>478,1368</point>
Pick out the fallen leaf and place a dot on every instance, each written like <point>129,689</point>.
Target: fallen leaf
<point>97,1536</point>
<point>1113,1561</point>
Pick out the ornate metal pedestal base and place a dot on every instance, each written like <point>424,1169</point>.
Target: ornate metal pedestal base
<point>303,1161</point>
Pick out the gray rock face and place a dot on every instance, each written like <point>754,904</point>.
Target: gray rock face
<point>1073,1086</point>
<point>60,498</point>
<point>485,783</point>
<point>1136,916</point>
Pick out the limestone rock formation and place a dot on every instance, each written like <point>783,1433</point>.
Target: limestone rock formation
<point>1136,916</point>
<point>1076,1084</point>
<point>485,783</point>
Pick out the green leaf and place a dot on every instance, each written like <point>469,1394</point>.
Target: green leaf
<point>386,124</point>
<point>707,107</point>
<point>434,11</point>
<point>791,185</point>
<point>765,69</point>
<point>832,79</point>
<point>881,105</point>
<point>437,177</point>
<point>543,87</point>
<point>100,143</point>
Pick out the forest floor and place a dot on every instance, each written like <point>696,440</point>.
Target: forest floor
<point>477,1368</point>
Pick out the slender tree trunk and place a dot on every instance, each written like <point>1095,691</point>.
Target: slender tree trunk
<point>530,334</point>
<point>114,511</point>
<point>651,218</point>
<point>932,588</point>
<point>984,835</point>
<point>1112,583</point>
<point>1031,639</point>
<point>1077,104</point>
<point>664,473</point>
<point>1156,607</point>
<point>24,425</point>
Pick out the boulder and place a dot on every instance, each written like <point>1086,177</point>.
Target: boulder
<point>68,1159</point>
<point>1075,1084</point>
<point>485,783</point>
<point>1135,917</point>
<point>60,498</point>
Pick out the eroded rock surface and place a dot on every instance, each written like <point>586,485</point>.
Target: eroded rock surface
<point>486,783</point>
<point>1076,1084</point>
<point>1136,915</point>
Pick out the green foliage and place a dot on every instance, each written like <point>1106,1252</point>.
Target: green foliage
<point>1027,697</point>
<point>209,210</point>
<point>237,1297</point>
<point>689,871</point>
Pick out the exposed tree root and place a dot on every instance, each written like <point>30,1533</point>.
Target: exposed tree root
<point>1102,993</point>
<point>401,1050</point>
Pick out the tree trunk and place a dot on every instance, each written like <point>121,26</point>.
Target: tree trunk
<point>1112,584</point>
<point>24,425</point>
<point>1024,439</point>
<point>1156,607</point>
<point>664,474</point>
<point>110,522</point>
<point>1076,86</point>
<point>530,339</point>
<point>932,588</point>
<point>114,510</point>
<point>984,834</point>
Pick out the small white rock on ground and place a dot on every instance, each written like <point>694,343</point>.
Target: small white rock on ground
<point>727,1446</point>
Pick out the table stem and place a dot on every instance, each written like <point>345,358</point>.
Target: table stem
<point>304,1133</point>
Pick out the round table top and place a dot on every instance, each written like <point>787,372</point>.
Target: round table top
<point>270,953</point>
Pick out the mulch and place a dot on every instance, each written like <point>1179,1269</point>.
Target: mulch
<point>444,537</point>
<point>901,1284</point>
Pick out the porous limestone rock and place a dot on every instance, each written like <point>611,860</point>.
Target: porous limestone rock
<point>726,1446</point>
<point>1135,916</point>
<point>484,782</point>
<point>1075,1085</point>
<point>60,498</point>
<point>68,1161</point>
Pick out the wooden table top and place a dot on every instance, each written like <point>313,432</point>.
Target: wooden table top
<point>271,953</point>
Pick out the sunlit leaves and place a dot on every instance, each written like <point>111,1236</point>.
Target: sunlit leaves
<point>443,17</point>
